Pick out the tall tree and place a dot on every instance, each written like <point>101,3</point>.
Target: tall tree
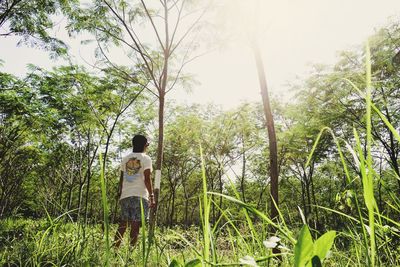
<point>250,24</point>
<point>273,147</point>
<point>159,57</point>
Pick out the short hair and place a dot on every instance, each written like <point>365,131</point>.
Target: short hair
<point>139,142</point>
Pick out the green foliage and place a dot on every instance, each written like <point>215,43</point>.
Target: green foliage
<point>54,124</point>
<point>31,19</point>
<point>323,244</point>
<point>193,263</point>
<point>46,119</point>
<point>309,253</point>
<point>303,250</point>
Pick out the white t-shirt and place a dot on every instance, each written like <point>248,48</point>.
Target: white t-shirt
<point>133,166</point>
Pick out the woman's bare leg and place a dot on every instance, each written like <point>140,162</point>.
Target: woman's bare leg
<point>120,233</point>
<point>134,232</point>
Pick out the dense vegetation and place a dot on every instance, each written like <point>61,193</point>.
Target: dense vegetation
<point>338,151</point>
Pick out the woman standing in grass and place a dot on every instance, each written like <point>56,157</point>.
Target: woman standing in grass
<point>134,188</point>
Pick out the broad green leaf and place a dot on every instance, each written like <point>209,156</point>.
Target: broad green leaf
<point>193,263</point>
<point>323,244</point>
<point>174,263</point>
<point>304,247</point>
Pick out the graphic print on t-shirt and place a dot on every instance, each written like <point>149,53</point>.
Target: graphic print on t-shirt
<point>132,168</point>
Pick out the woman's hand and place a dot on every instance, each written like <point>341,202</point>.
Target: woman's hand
<point>152,202</point>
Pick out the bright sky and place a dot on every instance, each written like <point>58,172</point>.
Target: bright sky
<point>296,34</point>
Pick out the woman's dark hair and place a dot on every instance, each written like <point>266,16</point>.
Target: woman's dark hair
<point>139,142</point>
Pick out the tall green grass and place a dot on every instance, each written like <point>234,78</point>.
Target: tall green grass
<point>205,212</point>
<point>368,182</point>
<point>366,169</point>
<point>241,238</point>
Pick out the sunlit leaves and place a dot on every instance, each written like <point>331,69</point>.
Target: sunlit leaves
<point>309,253</point>
<point>32,19</point>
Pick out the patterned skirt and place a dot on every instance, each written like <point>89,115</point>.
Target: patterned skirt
<point>131,209</point>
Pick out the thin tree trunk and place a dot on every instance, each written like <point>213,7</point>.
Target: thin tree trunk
<point>259,202</point>
<point>70,197</point>
<point>393,149</point>
<point>220,198</point>
<point>317,222</point>
<point>380,205</point>
<point>396,168</point>
<point>60,200</point>
<point>186,204</point>
<point>307,184</point>
<point>89,173</point>
<point>172,214</point>
<point>212,197</point>
<point>186,211</point>
<point>160,148</point>
<point>81,179</point>
<point>303,200</point>
<point>81,184</point>
<point>273,148</point>
<point>87,193</point>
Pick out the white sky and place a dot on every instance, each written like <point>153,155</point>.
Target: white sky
<point>298,33</point>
